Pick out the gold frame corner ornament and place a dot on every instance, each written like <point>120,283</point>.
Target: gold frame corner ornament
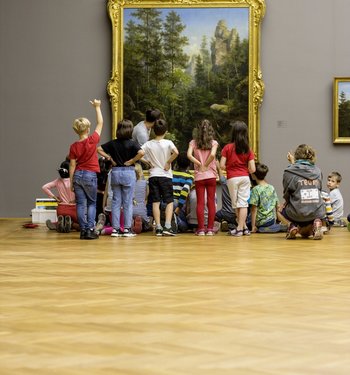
<point>337,137</point>
<point>257,9</point>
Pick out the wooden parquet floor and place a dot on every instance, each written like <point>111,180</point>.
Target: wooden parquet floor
<point>173,306</point>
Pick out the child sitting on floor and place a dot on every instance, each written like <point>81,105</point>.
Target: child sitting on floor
<point>139,210</point>
<point>264,203</point>
<point>333,183</point>
<point>302,185</point>
<point>182,183</point>
<point>66,209</point>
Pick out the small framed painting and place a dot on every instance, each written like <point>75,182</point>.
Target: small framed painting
<point>341,110</point>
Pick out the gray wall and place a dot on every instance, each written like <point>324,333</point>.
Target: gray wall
<point>56,56</point>
<point>304,45</point>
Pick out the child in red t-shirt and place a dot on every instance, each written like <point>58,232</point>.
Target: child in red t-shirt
<point>82,171</point>
<point>238,161</point>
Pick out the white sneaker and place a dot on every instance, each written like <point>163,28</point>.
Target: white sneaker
<point>116,233</point>
<point>128,233</point>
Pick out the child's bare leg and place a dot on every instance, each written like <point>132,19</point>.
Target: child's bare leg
<point>169,210</point>
<point>282,219</point>
<point>156,212</point>
<point>241,217</point>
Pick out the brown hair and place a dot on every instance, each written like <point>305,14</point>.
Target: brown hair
<point>240,136</point>
<point>160,127</point>
<point>124,129</point>
<point>260,171</point>
<point>204,135</point>
<point>305,152</point>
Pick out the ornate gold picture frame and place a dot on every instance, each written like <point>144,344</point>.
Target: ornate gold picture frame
<point>251,87</point>
<point>341,110</point>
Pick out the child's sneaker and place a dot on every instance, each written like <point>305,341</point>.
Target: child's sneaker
<point>50,225</point>
<point>67,224</point>
<point>210,233</point>
<point>82,234</point>
<point>235,232</point>
<point>90,234</point>
<point>128,233</point>
<point>292,232</point>
<point>117,233</point>
<point>216,227</point>
<point>224,226</point>
<point>168,232</point>
<point>137,227</point>
<point>159,232</point>
<point>100,222</point>
<point>317,230</point>
<point>339,223</point>
<point>200,233</point>
<point>60,224</point>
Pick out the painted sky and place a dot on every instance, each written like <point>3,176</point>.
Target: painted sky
<point>345,87</point>
<point>203,21</point>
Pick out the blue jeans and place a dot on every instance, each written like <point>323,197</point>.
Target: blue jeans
<point>85,188</point>
<point>123,180</point>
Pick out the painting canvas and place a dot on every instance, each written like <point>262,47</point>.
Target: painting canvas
<point>190,61</point>
<point>341,122</point>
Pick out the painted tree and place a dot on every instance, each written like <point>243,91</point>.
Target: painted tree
<point>174,43</point>
<point>133,67</point>
<point>344,115</point>
<point>176,60</point>
<point>150,46</point>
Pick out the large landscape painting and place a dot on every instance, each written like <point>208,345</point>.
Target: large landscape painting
<point>191,62</point>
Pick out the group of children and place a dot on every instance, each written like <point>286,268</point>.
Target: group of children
<point>132,201</point>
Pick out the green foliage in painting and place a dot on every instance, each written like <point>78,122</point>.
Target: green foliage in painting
<point>344,116</point>
<point>158,73</point>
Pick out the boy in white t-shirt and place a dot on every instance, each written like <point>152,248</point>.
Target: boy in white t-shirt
<point>159,154</point>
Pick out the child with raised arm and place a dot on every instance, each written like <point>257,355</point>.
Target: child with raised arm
<point>333,183</point>
<point>159,154</point>
<point>82,171</point>
<point>238,161</point>
<point>202,153</point>
<point>124,152</point>
<point>302,186</point>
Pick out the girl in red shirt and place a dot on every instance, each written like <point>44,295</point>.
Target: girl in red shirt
<point>238,161</point>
